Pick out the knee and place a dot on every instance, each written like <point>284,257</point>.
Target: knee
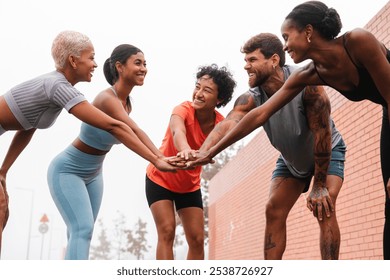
<point>166,233</point>
<point>196,240</point>
<point>272,212</point>
<point>83,231</point>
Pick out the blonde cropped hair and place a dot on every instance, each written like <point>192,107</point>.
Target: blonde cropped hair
<point>68,43</point>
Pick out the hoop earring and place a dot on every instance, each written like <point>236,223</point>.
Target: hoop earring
<point>308,39</point>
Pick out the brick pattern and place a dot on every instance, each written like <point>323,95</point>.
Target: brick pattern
<point>238,193</point>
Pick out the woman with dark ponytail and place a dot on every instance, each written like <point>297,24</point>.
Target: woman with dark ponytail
<point>75,175</point>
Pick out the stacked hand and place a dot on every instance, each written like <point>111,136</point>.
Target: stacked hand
<point>165,164</point>
<point>189,159</point>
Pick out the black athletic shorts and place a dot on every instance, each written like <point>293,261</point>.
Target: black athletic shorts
<point>155,192</point>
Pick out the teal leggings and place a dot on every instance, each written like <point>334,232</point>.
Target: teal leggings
<point>76,184</point>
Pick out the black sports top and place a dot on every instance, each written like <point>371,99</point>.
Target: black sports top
<point>366,88</point>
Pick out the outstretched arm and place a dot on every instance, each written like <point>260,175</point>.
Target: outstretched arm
<point>242,106</point>
<point>88,113</point>
<point>18,144</point>
<point>179,136</point>
<point>258,116</point>
<point>317,107</point>
<point>112,107</point>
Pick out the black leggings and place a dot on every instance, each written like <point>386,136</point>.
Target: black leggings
<point>385,164</point>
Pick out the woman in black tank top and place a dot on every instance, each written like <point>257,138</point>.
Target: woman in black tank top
<point>355,64</point>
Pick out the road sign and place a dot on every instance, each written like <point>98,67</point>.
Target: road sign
<point>43,228</point>
<point>44,219</point>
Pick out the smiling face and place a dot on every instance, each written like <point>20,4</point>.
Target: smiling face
<point>134,70</point>
<point>84,65</point>
<point>295,41</point>
<point>259,68</point>
<point>205,95</point>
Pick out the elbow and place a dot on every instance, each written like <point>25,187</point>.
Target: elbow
<point>262,117</point>
<point>115,127</point>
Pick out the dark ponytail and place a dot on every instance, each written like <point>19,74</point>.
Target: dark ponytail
<point>108,72</point>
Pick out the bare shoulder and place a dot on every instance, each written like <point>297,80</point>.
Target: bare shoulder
<point>104,94</point>
<point>361,40</point>
<point>244,99</point>
<point>243,104</point>
<point>359,34</point>
<point>104,98</point>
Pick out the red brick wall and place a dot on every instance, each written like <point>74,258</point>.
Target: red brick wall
<point>238,193</point>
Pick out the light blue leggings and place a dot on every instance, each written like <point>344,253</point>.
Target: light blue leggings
<point>76,185</point>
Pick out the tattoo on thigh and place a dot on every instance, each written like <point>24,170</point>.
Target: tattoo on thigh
<point>278,182</point>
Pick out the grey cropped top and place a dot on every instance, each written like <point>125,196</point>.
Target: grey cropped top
<point>38,102</point>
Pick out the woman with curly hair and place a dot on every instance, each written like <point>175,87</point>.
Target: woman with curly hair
<point>190,123</point>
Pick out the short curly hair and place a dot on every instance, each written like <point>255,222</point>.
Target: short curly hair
<point>222,78</point>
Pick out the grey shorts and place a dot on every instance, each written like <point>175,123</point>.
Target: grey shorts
<point>336,165</point>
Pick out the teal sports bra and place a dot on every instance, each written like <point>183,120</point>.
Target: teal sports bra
<point>96,137</point>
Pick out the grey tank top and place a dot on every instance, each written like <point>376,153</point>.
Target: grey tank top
<point>289,133</point>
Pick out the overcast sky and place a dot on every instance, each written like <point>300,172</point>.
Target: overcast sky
<point>176,37</point>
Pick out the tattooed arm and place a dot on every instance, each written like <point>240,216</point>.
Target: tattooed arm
<point>317,107</point>
<point>243,104</point>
